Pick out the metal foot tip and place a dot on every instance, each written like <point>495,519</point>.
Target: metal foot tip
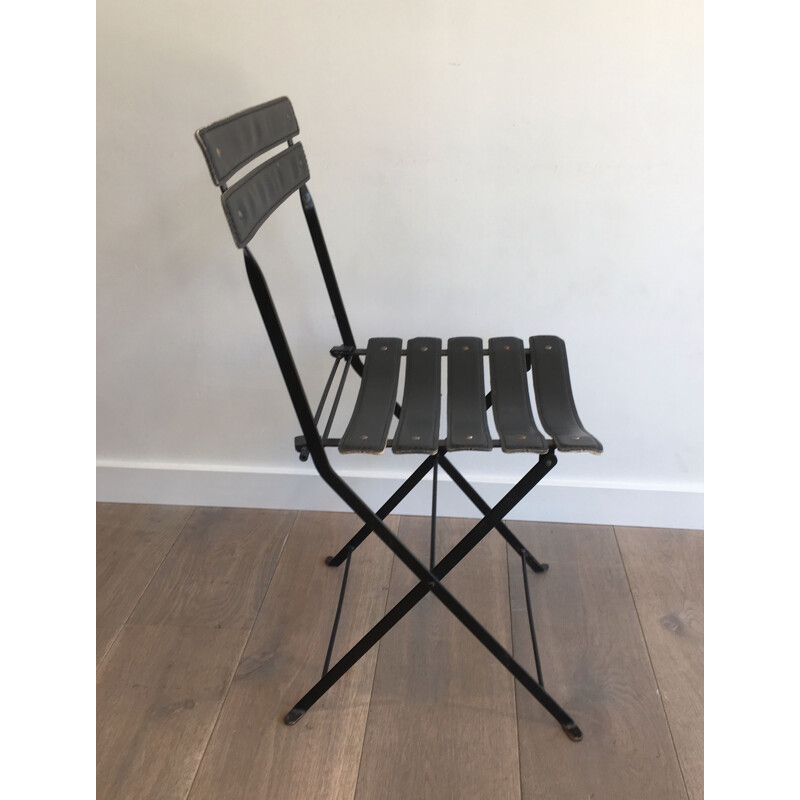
<point>573,731</point>
<point>329,560</point>
<point>541,568</point>
<point>293,716</point>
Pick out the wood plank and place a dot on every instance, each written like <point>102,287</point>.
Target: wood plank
<point>132,541</point>
<point>442,721</point>
<point>252,753</point>
<point>595,664</point>
<point>161,686</point>
<point>218,571</point>
<point>665,572</point>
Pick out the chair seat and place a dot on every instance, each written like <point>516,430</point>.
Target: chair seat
<point>467,424</point>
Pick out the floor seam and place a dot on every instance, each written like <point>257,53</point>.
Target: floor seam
<point>650,661</point>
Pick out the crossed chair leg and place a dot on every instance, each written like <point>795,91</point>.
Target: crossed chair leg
<point>430,579</point>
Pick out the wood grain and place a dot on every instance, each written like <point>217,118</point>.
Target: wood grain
<point>596,666</point>
<point>161,686</point>
<point>442,721</point>
<point>132,541</point>
<point>252,753</point>
<point>665,572</point>
<point>218,571</point>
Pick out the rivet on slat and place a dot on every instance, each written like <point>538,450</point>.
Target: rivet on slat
<point>468,437</point>
<point>384,347</point>
<point>548,347</point>
<point>424,348</point>
<point>415,438</point>
<point>465,347</point>
<point>506,347</point>
<point>241,216</point>
<point>363,436</point>
<point>576,437</point>
<point>218,151</point>
<point>522,436</point>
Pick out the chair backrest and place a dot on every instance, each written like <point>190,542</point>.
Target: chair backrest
<point>229,146</point>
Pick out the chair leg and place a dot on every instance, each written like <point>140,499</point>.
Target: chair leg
<point>430,582</point>
<point>413,479</point>
<point>483,507</point>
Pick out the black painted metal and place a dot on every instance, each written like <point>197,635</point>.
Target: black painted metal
<point>339,612</point>
<point>413,479</point>
<point>530,620</point>
<point>335,405</point>
<point>483,507</point>
<point>433,512</point>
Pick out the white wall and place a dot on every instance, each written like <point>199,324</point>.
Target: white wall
<point>504,168</point>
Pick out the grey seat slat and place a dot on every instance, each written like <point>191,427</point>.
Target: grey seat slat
<point>368,428</point>
<point>554,397</point>
<point>418,429</point>
<point>467,428</point>
<point>511,403</point>
<point>251,200</point>
<point>236,140</point>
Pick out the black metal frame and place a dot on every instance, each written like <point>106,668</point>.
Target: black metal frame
<point>313,444</point>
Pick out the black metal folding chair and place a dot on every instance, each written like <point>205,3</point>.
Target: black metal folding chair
<point>231,144</point>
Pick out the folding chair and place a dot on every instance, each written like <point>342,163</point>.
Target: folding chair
<point>231,144</point>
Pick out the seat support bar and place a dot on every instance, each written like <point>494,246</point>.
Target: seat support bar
<point>483,507</point>
<point>410,482</point>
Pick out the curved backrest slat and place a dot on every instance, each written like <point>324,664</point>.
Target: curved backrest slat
<point>235,141</point>
<point>251,200</point>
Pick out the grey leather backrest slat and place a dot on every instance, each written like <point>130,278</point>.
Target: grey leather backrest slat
<point>511,402</point>
<point>235,141</point>
<point>418,429</point>
<point>368,428</point>
<point>554,398</point>
<point>467,428</point>
<point>251,200</point>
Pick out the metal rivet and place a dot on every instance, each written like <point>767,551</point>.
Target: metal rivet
<point>576,437</point>
<point>465,347</point>
<point>363,436</point>
<point>468,437</point>
<point>415,438</point>
<point>523,436</point>
<point>424,348</point>
<point>241,216</point>
<point>384,347</point>
<point>506,347</point>
<point>218,151</point>
<point>548,347</point>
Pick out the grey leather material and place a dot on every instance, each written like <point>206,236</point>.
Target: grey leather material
<point>511,402</point>
<point>467,428</point>
<point>368,429</point>
<point>251,200</point>
<point>418,429</point>
<point>554,398</point>
<point>235,141</point>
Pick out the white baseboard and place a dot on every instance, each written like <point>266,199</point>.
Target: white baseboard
<point>551,500</point>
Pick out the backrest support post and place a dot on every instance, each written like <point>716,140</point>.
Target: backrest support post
<point>321,249</point>
<point>280,345</point>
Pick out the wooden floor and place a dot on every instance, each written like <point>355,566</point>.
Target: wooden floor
<point>212,622</point>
